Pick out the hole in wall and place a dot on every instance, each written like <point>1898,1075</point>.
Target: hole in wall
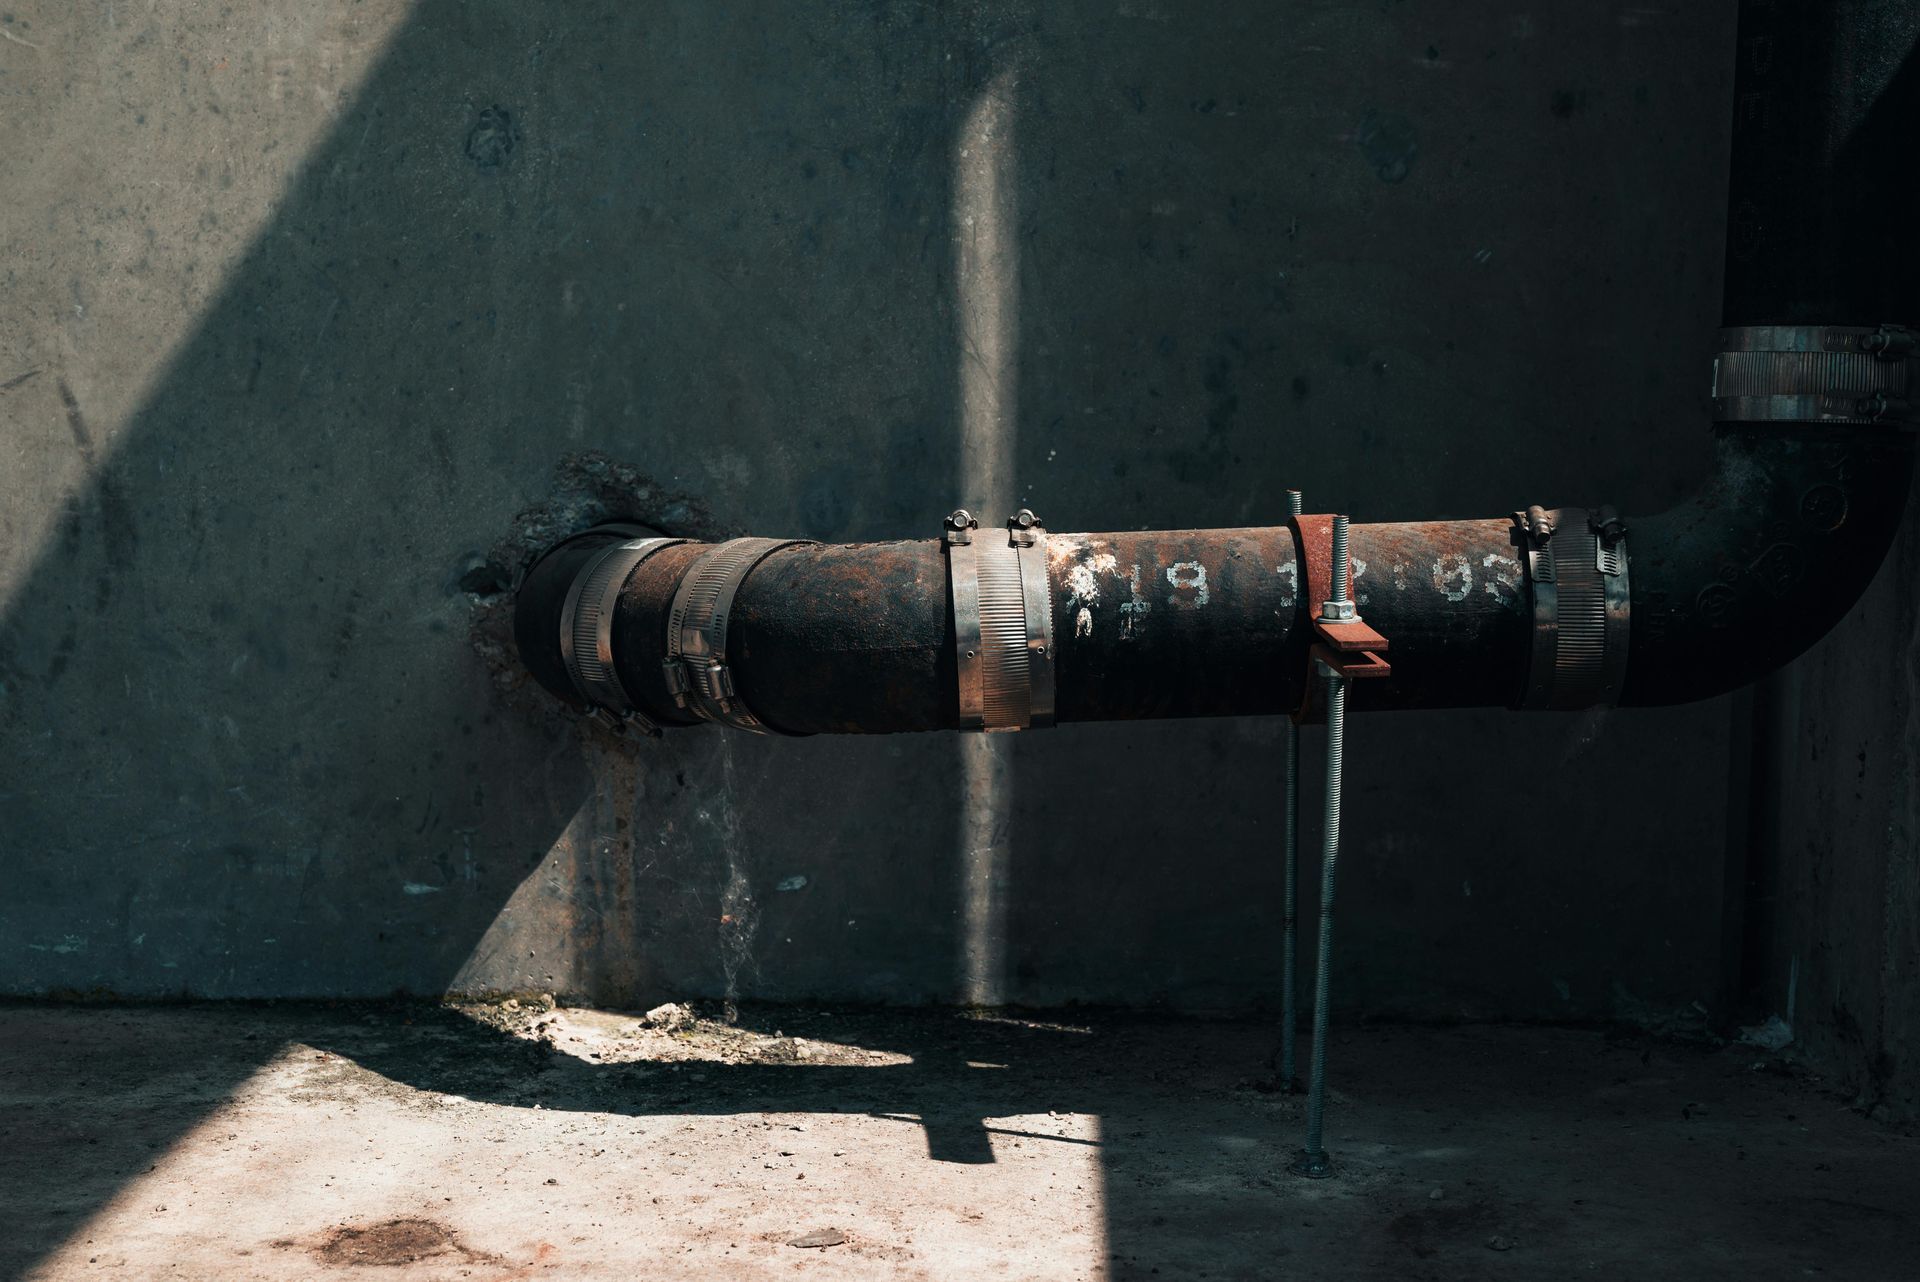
<point>588,489</point>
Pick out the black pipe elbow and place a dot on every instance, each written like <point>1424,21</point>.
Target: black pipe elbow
<point>1748,574</point>
<point>1821,197</point>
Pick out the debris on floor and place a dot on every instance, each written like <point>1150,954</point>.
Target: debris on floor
<point>1774,1034</point>
<point>394,1242</point>
<point>668,1015</point>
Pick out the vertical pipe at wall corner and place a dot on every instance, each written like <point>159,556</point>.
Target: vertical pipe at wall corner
<point>987,300</point>
<point>1820,203</point>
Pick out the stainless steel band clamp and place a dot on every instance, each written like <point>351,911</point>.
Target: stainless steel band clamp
<point>1002,622</point>
<point>1582,607</point>
<point>1816,374</point>
<point>586,632</point>
<point>696,662</point>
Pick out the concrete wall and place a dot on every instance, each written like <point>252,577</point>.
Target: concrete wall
<point>1834,889</point>
<point>304,302</point>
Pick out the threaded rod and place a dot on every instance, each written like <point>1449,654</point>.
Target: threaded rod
<point>1313,1162</point>
<point>1339,565</point>
<point>1289,1014</point>
<point>1316,1154</point>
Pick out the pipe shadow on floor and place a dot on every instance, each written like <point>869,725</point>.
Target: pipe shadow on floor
<point>1577,1151</point>
<point>1590,1147</point>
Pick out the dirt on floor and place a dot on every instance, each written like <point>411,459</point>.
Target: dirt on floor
<point>525,1140</point>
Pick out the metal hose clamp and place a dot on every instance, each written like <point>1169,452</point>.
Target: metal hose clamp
<point>586,631</point>
<point>1816,374</point>
<point>1582,605</point>
<point>696,662</point>
<point>1002,623</point>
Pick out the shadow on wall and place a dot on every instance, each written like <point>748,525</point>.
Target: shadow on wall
<point>254,753</point>
<point>725,250</point>
<point>251,749</point>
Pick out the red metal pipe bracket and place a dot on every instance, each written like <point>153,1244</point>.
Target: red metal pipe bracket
<point>1352,649</point>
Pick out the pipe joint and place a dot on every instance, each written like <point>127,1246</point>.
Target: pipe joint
<point>586,632</point>
<point>1002,623</point>
<point>1576,566</point>
<point>1817,374</point>
<point>696,662</point>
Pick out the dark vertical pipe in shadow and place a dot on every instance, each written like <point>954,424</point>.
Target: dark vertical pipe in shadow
<point>1821,204</point>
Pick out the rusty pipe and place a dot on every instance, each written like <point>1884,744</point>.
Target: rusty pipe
<point>1186,623</point>
<point>1193,623</point>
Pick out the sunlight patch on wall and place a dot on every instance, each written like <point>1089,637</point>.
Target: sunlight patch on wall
<point>986,286</point>
<point>569,926</point>
<point>526,949</point>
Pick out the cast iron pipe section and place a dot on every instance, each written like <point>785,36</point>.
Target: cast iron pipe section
<point>1547,608</point>
<point>859,638</point>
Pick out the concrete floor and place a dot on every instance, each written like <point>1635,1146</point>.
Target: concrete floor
<point>496,1143</point>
